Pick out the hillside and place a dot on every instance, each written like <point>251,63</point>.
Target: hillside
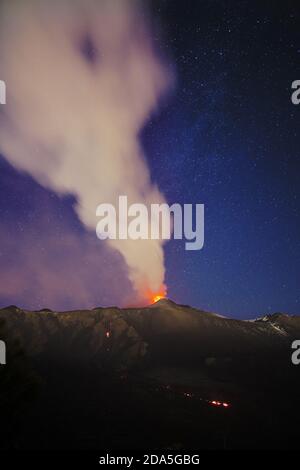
<point>150,377</point>
<point>127,336</point>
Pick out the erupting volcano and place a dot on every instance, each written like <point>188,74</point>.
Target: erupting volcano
<point>154,297</point>
<point>157,297</point>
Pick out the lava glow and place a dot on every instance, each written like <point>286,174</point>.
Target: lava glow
<point>154,297</point>
<point>219,403</point>
<point>157,297</point>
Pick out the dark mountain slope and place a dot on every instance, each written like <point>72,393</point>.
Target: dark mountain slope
<point>145,378</point>
<point>164,329</point>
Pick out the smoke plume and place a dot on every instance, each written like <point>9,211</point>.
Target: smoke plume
<point>82,79</point>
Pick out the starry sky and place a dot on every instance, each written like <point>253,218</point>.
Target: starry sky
<point>226,136</point>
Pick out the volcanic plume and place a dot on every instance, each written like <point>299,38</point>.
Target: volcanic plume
<point>82,79</point>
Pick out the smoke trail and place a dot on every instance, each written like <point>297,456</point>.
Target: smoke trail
<point>82,79</point>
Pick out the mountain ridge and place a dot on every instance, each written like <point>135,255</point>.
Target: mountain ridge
<point>160,369</point>
<point>125,336</point>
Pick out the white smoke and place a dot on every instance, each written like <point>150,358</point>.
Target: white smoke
<point>82,79</point>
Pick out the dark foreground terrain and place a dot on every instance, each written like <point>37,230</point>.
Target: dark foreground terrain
<point>162,377</point>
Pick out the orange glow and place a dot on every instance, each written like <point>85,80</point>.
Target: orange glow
<point>156,296</point>
<point>219,403</point>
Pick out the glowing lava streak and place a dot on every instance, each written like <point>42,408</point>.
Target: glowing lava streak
<point>158,295</point>
<point>156,298</point>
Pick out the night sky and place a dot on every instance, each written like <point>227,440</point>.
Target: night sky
<point>226,136</point>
